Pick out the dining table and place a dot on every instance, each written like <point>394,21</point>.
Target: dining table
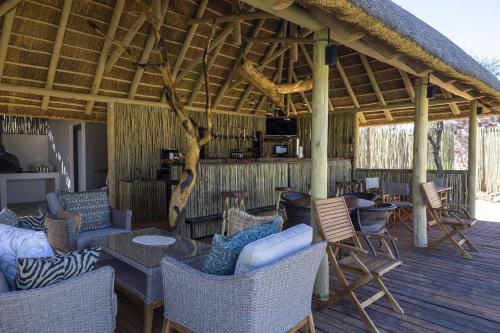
<point>351,203</point>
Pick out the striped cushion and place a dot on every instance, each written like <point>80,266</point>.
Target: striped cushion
<point>32,222</point>
<point>40,272</point>
<point>8,217</point>
<point>92,205</point>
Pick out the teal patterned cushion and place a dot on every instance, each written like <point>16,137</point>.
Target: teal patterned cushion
<point>8,217</point>
<point>225,251</point>
<point>92,205</point>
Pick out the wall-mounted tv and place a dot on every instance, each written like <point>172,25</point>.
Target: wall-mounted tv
<point>281,126</point>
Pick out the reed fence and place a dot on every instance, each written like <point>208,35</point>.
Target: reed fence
<point>488,159</point>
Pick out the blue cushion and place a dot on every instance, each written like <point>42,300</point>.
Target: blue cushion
<point>272,248</point>
<point>225,251</point>
<point>92,205</point>
<point>8,217</point>
<point>18,243</point>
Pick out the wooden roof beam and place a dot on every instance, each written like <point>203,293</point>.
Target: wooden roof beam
<point>237,24</point>
<point>148,48</point>
<point>8,22</point>
<point>231,18</point>
<point>408,85</point>
<point>453,106</point>
<point>117,53</point>
<point>292,13</point>
<point>450,86</point>
<point>374,85</point>
<point>304,97</point>
<point>96,98</point>
<point>189,37</point>
<point>101,63</point>
<point>282,4</point>
<point>13,110</point>
<point>348,87</point>
<point>56,50</point>
<point>217,40</point>
<point>7,5</point>
<point>283,40</point>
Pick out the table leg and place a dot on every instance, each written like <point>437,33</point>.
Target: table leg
<point>148,317</point>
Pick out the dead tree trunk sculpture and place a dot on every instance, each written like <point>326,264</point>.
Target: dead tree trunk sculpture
<point>436,145</point>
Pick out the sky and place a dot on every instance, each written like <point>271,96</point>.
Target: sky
<point>472,25</point>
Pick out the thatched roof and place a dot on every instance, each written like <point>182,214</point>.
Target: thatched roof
<point>407,33</point>
<point>30,67</point>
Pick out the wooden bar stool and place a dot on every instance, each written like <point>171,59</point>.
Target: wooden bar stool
<point>232,199</point>
<point>343,187</point>
<point>279,190</point>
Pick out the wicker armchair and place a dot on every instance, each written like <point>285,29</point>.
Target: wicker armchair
<point>63,237</point>
<point>83,304</point>
<point>275,298</point>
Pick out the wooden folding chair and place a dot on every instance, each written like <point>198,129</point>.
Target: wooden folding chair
<point>448,220</point>
<point>336,226</point>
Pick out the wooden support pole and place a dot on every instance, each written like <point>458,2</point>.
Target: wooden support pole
<point>472,167</point>
<point>355,143</point>
<point>112,185</point>
<point>8,22</point>
<point>56,50</point>
<point>294,51</point>
<point>236,24</point>
<point>419,175</point>
<point>319,148</point>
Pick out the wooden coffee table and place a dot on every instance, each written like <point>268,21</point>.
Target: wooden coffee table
<point>137,267</point>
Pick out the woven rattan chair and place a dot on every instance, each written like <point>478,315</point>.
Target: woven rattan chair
<point>275,298</point>
<point>335,225</point>
<point>82,304</point>
<point>448,220</point>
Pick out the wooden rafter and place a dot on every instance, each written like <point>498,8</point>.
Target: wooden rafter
<point>101,63</point>
<point>124,44</point>
<point>201,78</point>
<point>453,106</point>
<point>7,5</point>
<point>282,4</point>
<point>231,18</point>
<point>246,49</point>
<point>8,22</point>
<point>146,54</point>
<point>376,88</point>
<point>304,97</point>
<point>35,111</point>
<point>290,80</point>
<point>408,86</point>
<point>197,60</point>
<point>348,87</point>
<point>237,24</point>
<point>56,50</point>
<point>189,37</point>
<point>288,40</point>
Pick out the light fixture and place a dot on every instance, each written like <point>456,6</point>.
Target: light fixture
<point>431,90</point>
<point>330,54</point>
<point>480,110</point>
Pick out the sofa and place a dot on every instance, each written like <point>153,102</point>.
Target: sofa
<point>82,304</point>
<point>63,235</point>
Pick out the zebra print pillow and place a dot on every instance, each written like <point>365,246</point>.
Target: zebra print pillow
<point>40,272</point>
<point>32,222</point>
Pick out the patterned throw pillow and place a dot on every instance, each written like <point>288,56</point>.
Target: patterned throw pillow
<point>8,217</point>
<point>20,243</point>
<point>77,217</point>
<point>32,222</point>
<point>225,251</point>
<point>238,220</point>
<point>40,272</point>
<point>92,205</point>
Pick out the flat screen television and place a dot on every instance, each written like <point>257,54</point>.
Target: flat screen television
<point>281,127</point>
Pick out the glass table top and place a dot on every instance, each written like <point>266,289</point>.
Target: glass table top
<point>150,256</point>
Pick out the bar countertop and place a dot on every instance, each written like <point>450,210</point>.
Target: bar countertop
<point>263,160</point>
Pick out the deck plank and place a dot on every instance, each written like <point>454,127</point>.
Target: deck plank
<point>439,290</point>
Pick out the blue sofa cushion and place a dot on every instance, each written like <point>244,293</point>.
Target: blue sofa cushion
<point>92,205</point>
<point>18,243</point>
<point>40,272</point>
<point>32,222</point>
<point>8,217</point>
<point>225,251</point>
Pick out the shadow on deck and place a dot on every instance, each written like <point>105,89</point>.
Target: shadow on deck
<point>439,291</point>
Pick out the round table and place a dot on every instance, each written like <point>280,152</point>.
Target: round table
<point>351,203</point>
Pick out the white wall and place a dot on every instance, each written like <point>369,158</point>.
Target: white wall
<point>29,149</point>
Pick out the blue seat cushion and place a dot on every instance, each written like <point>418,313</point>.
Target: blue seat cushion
<point>8,217</point>
<point>225,251</point>
<point>84,238</point>
<point>92,205</point>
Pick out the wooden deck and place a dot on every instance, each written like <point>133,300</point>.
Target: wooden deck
<point>439,291</point>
